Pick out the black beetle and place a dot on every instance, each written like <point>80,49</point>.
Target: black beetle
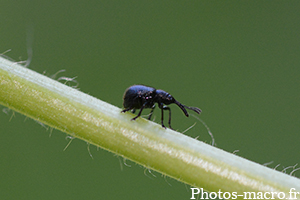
<point>141,96</point>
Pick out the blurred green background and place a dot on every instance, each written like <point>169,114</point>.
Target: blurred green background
<point>239,61</point>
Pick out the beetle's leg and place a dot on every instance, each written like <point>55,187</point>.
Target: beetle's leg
<point>169,109</point>
<point>162,118</point>
<point>125,110</point>
<point>161,106</point>
<point>151,112</point>
<point>139,114</point>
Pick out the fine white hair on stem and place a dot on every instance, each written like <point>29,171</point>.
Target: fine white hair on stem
<point>88,148</point>
<point>53,76</point>
<point>276,166</point>
<point>29,43</point>
<point>186,187</point>
<point>286,168</point>
<point>146,173</point>
<point>42,124</point>
<point>268,163</point>
<point>124,162</point>
<point>189,128</point>
<point>150,172</point>
<point>165,177</point>
<point>12,115</point>
<point>6,110</point>
<point>71,139</point>
<point>290,167</point>
<point>120,162</point>
<point>294,169</point>
<point>236,151</point>
<point>154,118</point>
<point>207,128</point>
<point>3,54</point>
<point>67,80</point>
<point>51,130</point>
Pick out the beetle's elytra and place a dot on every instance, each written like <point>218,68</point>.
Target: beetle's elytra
<point>141,96</point>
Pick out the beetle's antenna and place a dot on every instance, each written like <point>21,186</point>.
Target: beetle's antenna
<point>197,110</point>
<point>182,108</point>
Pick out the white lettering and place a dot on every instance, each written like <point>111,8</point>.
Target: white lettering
<point>283,195</point>
<point>193,192</point>
<point>234,195</point>
<point>226,193</point>
<point>265,195</point>
<point>250,195</point>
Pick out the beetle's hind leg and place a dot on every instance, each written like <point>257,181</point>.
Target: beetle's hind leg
<point>125,110</point>
<point>141,109</point>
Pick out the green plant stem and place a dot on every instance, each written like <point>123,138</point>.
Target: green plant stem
<point>144,142</point>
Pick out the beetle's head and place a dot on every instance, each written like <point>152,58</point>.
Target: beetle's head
<point>164,97</point>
